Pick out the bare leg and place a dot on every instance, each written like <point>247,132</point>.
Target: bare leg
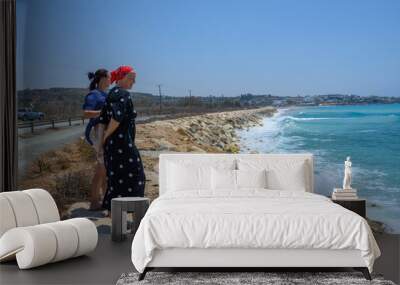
<point>98,182</point>
<point>103,185</point>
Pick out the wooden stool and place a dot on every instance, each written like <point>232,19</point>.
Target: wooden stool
<point>120,207</point>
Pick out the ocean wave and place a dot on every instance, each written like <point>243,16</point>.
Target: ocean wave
<point>367,131</point>
<point>303,119</point>
<point>282,117</point>
<point>396,115</point>
<point>321,139</point>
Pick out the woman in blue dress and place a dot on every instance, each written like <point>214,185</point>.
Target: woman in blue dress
<point>124,166</point>
<point>94,103</point>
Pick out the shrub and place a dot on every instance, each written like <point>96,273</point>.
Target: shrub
<point>41,165</point>
<point>72,186</point>
<point>86,151</point>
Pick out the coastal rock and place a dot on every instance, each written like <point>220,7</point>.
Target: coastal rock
<point>165,145</point>
<point>196,149</point>
<point>99,218</point>
<point>74,210</point>
<point>376,226</point>
<point>233,148</point>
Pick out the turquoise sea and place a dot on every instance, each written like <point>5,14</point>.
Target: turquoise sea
<point>369,134</point>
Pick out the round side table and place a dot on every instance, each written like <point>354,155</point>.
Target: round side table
<point>120,207</point>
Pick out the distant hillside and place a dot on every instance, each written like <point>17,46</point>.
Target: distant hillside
<point>67,102</point>
<point>54,102</point>
<point>60,102</point>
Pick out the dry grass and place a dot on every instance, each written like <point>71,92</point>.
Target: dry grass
<point>66,173</point>
<point>41,165</point>
<point>86,151</point>
<point>72,186</point>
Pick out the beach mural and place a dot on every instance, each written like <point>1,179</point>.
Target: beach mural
<point>214,76</point>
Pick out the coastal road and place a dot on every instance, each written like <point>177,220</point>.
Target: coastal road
<point>31,146</point>
<point>27,130</point>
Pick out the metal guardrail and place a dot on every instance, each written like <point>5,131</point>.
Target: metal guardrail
<point>52,123</point>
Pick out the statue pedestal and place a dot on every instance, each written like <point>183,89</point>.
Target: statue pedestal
<point>344,194</point>
<point>350,190</point>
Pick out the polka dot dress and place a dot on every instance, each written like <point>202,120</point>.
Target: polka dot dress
<point>125,173</point>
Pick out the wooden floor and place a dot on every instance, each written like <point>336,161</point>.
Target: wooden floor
<point>110,260</point>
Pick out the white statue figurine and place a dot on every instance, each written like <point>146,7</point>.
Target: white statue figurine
<point>347,174</point>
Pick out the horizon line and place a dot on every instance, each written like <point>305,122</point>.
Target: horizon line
<point>222,95</point>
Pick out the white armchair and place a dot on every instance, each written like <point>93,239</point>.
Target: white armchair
<point>31,230</point>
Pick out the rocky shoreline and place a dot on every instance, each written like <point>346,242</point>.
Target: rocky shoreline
<point>213,132</point>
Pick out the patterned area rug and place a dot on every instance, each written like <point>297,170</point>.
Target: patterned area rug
<point>236,278</point>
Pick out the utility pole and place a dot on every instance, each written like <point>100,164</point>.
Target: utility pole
<point>159,92</point>
<point>190,100</point>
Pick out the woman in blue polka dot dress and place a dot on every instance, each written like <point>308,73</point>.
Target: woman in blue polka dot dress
<point>125,173</point>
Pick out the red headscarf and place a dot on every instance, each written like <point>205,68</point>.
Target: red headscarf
<point>120,73</point>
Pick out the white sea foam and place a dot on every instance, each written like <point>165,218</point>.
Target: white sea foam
<point>367,131</point>
<point>308,119</point>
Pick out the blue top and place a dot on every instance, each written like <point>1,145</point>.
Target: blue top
<point>94,101</point>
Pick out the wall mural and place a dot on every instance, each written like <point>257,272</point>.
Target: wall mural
<point>173,84</point>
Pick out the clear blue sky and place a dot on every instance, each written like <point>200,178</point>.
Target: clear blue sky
<point>214,47</point>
